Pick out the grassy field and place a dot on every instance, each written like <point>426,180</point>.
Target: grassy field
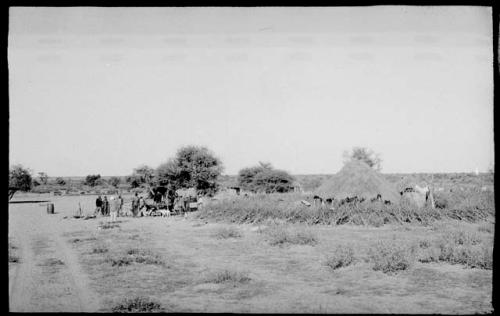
<point>196,264</point>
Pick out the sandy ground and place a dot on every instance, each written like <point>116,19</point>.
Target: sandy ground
<point>60,271</point>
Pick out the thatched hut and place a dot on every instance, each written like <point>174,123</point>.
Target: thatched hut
<point>356,178</point>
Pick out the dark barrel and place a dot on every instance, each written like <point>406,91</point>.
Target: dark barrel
<point>50,208</point>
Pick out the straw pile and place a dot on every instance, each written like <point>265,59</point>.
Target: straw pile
<point>357,179</point>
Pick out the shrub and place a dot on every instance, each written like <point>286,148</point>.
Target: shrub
<point>144,256</point>
<point>467,248</point>
<point>279,235</point>
<point>138,304</point>
<point>93,180</point>
<point>390,257</point>
<point>264,178</point>
<point>226,276</point>
<point>122,261</point>
<point>341,257</point>
<point>100,249</point>
<point>20,178</point>
<point>227,232</point>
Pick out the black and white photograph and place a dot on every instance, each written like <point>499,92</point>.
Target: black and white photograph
<point>319,160</point>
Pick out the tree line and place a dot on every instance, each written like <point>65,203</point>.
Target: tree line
<point>191,167</point>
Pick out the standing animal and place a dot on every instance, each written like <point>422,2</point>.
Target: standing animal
<point>317,200</point>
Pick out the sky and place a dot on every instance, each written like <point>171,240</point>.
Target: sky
<point>104,90</point>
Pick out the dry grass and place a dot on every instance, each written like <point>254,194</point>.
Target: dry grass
<point>99,250</point>
<point>391,256</point>
<point>138,305</point>
<point>13,258</point>
<point>342,256</point>
<point>471,206</point>
<point>280,235</point>
<point>227,276</point>
<point>134,255</point>
<point>227,232</point>
<point>284,279</point>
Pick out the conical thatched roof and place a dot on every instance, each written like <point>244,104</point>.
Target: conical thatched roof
<point>357,179</point>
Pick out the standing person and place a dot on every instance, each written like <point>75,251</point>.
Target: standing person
<point>105,206</point>
<point>135,204</point>
<point>141,205</point>
<point>170,198</point>
<point>115,206</point>
<point>98,204</point>
<point>120,199</point>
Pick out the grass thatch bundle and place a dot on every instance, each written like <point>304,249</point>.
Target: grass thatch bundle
<point>357,179</point>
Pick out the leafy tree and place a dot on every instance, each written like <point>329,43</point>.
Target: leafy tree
<point>44,178</point>
<point>144,174</point>
<point>60,181</point>
<point>246,176</point>
<point>114,181</point>
<point>20,178</point>
<point>192,166</point>
<point>93,180</point>
<point>364,154</point>
<point>133,181</point>
<point>273,181</point>
<point>264,178</point>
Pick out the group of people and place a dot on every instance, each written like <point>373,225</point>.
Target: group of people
<point>112,207</point>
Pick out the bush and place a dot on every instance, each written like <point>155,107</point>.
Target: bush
<point>93,180</point>
<point>138,304</point>
<point>341,257</point>
<point>260,207</point>
<point>226,276</point>
<point>279,235</point>
<point>264,178</point>
<point>100,249</point>
<point>390,257</point>
<point>20,178</point>
<point>227,232</point>
<point>467,248</point>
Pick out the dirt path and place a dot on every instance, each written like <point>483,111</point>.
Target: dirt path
<point>49,277</point>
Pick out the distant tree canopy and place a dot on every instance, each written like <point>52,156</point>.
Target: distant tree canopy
<point>20,178</point>
<point>144,174</point>
<point>60,181</point>
<point>366,155</point>
<point>193,166</point>
<point>264,178</point>
<point>93,180</point>
<point>114,181</point>
<point>44,178</point>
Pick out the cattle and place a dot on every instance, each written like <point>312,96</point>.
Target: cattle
<point>378,198</point>
<point>353,199</point>
<point>317,200</point>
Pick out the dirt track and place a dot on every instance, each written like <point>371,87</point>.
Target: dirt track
<point>48,277</point>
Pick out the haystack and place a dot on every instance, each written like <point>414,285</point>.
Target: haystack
<point>356,178</point>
